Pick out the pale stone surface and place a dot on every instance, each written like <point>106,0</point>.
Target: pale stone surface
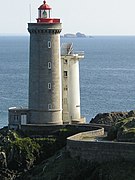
<point>40,97</point>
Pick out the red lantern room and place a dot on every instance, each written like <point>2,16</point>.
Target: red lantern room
<point>44,14</point>
<point>44,10</point>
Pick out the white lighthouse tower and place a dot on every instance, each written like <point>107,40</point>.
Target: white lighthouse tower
<point>71,84</point>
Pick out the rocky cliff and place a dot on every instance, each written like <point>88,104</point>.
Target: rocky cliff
<point>20,153</point>
<point>112,117</point>
<point>62,167</point>
<point>22,157</point>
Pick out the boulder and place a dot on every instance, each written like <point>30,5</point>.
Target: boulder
<point>131,113</point>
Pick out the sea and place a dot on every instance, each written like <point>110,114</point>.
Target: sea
<point>107,74</point>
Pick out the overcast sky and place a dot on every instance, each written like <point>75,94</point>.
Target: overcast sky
<point>92,17</point>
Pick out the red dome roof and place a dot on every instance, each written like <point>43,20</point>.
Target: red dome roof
<point>44,6</point>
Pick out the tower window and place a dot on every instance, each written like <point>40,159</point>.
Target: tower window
<point>49,106</point>
<point>65,61</point>
<point>65,73</point>
<point>49,44</point>
<point>44,14</point>
<point>49,65</point>
<point>49,85</point>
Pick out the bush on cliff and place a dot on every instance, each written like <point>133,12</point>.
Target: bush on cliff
<point>112,134</point>
<point>123,130</point>
<point>47,147</point>
<point>22,152</point>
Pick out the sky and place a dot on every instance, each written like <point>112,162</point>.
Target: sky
<point>91,17</point>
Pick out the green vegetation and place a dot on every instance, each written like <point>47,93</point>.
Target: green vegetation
<point>61,166</point>
<point>64,130</point>
<point>123,130</point>
<point>42,158</point>
<point>23,152</point>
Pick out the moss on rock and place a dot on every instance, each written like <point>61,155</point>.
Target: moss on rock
<point>123,130</point>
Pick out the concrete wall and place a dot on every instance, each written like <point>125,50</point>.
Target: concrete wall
<point>74,91</point>
<point>105,126</point>
<point>65,90</point>
<point>41,129</point>
<point>99,151</point>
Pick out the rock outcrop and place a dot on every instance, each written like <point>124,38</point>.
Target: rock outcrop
<point>111,118</point>
<point>6,174</point>
<point>3,161</point>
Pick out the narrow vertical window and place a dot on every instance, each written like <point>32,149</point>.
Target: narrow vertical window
<point>49,106</point>
<point>65,61</point>
<point>16,118</point>
<point>49,44</point>
<point>65,73</point>
<point>49,85</point>
<point>49,65</point>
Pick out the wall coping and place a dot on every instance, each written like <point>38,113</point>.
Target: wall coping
<point>88,134</point>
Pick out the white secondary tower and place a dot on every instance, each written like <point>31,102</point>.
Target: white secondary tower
<point>71,84</point>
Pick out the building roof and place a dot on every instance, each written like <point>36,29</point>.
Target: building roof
<point>44,6</point>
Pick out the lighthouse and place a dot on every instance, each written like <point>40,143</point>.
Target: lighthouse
<point>45,89</point>
<point>54,85</point>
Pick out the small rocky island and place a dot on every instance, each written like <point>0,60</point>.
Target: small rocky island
<point>46,157</point>
<point>77,35</point>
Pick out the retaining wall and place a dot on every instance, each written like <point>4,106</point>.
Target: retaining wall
<point>42,129</point>
<point>102,151</point>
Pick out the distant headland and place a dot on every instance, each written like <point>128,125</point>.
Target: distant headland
<point>77,35</point>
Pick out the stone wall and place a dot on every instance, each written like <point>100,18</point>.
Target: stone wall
<point>105,126</point>
<point>99,151</point>
<point>41,129</point>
